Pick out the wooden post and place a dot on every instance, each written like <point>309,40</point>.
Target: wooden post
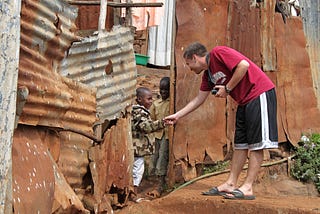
<point>144,48</point>
<point>171,172</point>
<point>103,15</point>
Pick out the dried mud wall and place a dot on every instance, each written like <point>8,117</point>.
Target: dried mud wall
<point>261,34</point>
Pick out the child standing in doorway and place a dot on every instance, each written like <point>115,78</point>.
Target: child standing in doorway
<point>160,158</point>
<point>142,125</point>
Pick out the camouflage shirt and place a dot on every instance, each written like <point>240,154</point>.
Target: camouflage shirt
<point>141,126</point>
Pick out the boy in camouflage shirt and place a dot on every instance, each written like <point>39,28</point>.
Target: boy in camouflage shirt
<point>142,125</point>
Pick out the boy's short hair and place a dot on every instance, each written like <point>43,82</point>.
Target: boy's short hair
<point>165,80</point>
<point>195,48</point>
<point>141,91</point>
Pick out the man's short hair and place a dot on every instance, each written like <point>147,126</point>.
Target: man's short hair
<point>195,48</point>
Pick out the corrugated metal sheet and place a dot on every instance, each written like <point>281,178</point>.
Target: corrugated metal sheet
<point>9,60</point>
<point>105,61</point>
<point>51,25</point>
<point>47,30</point>
<point>74,158</point>
<point>311,25</point>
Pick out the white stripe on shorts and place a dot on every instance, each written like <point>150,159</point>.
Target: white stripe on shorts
<point>264,118</point>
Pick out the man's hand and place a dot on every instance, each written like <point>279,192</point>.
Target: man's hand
<point>221,91</point>
<point>170,120</point>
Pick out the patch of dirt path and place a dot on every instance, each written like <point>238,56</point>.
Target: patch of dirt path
<point>150,78</point>
<point>275,193</point>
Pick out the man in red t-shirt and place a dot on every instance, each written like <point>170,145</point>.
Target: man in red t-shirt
<point>228,72</point>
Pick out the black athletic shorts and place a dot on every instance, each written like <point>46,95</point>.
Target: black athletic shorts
<point>256,123</point>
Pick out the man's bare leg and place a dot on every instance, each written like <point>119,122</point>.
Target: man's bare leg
<point>238,160</point>
<point>255,161</point>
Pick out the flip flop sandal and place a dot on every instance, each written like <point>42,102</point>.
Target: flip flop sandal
<point>214,192</point>
<point>141,200</point>
<point>239,195</point>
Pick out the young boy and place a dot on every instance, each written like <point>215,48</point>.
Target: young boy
<point>158,110</point>
<point>142,125</point>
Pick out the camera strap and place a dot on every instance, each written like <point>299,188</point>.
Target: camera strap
<point>209,71</point>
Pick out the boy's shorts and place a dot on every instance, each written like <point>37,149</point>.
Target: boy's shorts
<point>256,123</point>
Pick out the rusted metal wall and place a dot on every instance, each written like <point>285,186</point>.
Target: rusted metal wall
<point>9,60</point>
<point>296,96</point>
<point>245,29</point>
<point>252,32</point>
<point>88,17</point>
<point>311,25</point>
<point>111,166</point>
<point>47,30</point>
<point>53,105</point>
<point>39,185</point>
<point>105,61</point>
<point>267,43</point>
<point>260,33</point>
<point>204,130</point>
<point>33,180</point>
<point>64,172</point>
<point>73,158</point>
<point>53,142</point>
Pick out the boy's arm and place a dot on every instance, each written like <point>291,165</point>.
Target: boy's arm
<point>152,111</point>
<point>148,125</point>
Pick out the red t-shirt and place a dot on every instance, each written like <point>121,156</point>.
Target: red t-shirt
<point>223,61</point>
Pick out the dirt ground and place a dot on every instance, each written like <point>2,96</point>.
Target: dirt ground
<point>275,191</point>
<point>150,77</point>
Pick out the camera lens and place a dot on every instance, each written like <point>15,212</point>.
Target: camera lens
<point>214,91</point>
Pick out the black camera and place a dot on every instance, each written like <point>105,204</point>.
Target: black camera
<point>214,91</point>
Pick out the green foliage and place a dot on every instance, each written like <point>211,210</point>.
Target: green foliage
<point>306,166</point>
<point>220,166</point>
